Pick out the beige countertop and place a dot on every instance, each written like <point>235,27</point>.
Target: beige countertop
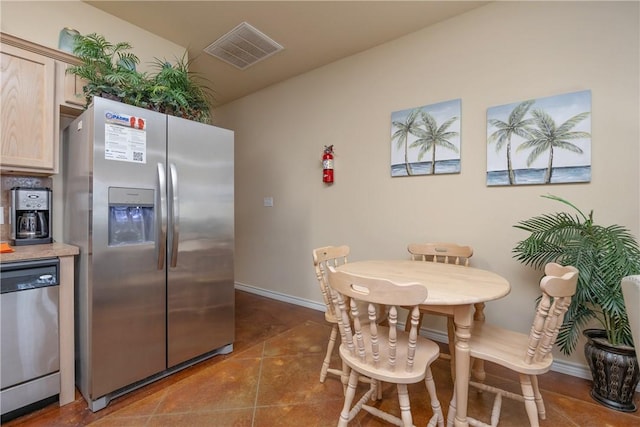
<point>48,250</point>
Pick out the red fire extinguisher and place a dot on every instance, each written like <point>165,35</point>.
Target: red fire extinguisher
<point>327,164</point>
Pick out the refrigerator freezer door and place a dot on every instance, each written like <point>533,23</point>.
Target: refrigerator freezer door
<point>128,294</point>
<point>200,291</point>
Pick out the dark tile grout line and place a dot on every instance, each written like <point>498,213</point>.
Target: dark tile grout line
<point>255,400</point>
<point>237,356</point>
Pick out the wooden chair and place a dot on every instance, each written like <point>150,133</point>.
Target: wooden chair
<point>448,253</point>
<point>528,355</point>
<point>322,259</point>
<point>382,353</point>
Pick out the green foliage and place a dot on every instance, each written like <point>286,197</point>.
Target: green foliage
<point>110,72</point>
<point>603,256</point>
<point>181,92</point>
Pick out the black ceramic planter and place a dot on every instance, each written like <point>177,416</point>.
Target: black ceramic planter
<point>614,369</point>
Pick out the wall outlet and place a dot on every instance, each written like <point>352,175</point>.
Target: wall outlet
<point>268,202</point>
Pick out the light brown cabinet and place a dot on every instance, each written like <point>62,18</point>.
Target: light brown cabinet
<point>71,92</point>
<point>35,93</point>
<point>27,111</point>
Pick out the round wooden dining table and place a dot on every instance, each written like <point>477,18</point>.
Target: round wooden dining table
<point>452,290</point>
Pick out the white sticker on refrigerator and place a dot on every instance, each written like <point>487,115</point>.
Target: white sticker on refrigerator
<point>125,144</point>
<point>124,120</point>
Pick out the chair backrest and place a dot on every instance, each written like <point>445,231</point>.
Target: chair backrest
<point>449,253</point>
<point>631,293</point>
<point>323,258</point>
<point>360,329</point>
<point>558,286</point>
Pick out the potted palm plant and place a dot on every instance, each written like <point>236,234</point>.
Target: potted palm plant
<point>603,255</point>
<point>109,71</point>
<point>175,90</point>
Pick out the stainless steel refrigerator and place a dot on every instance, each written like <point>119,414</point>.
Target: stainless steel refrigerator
<point>149,199</point>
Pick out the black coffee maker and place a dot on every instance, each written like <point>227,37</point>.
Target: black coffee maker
<point>30,216</point>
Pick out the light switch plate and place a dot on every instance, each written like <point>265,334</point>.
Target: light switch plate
<point>268,202</point>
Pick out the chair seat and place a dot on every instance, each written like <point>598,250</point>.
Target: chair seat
<point>506,348</point>
<point>527,354</point>
<point>426,352</point>
<point>330,317</point>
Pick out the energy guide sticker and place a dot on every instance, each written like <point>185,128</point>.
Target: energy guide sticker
<point>125,138</point>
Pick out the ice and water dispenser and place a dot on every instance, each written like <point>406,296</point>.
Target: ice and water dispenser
<point>131,216</point>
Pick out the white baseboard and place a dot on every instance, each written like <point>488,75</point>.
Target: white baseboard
<point>563,367</point>
<point>281,297</point>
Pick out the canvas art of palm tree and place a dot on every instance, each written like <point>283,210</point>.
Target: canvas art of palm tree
<point>541,141</point>
<point>426,140</point>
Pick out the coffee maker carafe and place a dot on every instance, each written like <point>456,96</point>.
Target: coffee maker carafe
<point>30,216</point>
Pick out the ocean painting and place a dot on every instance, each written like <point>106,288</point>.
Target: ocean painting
<point>540,141</point>
<point>426,140</point>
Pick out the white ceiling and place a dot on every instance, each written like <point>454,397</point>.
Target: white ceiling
<point>313,33</point>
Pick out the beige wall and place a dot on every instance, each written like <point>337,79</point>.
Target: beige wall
<point>41,21</point>
<point>502,53</point>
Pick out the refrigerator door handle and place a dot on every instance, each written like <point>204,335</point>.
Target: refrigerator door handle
<point>162,238</point>
<point>175,214</point>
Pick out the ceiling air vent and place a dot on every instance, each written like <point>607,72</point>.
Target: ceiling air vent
<point>243,46</point>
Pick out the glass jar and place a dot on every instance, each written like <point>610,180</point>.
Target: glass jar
<point>67,41</point>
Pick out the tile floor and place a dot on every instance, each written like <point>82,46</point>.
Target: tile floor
<point>271,379</point>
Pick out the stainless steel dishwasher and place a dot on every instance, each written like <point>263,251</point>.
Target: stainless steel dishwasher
<point>30,345</point>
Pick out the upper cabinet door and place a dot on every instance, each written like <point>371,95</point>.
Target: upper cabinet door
<point>72,94</point>
<point>27,112</point>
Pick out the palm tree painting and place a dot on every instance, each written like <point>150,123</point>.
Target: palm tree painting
<point>403,131</point>
<point>426,140</point>
<point>541,141</point>
<point>505,130</point>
